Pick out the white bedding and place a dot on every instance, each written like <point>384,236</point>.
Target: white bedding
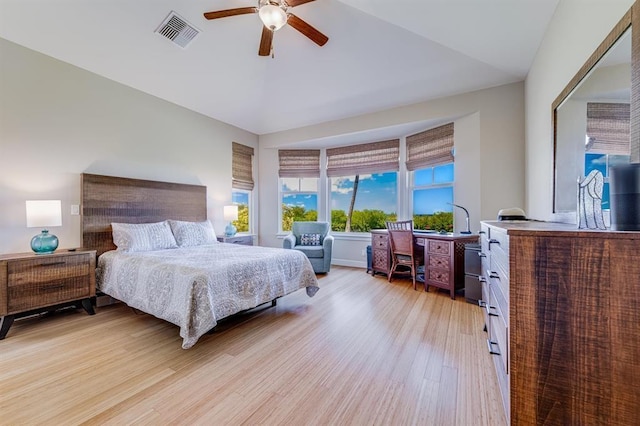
<point>194,287</point>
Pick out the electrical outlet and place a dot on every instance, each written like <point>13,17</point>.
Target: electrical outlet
<point>75,209</point>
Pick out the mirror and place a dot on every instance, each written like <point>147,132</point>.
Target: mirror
<point>591,119</point>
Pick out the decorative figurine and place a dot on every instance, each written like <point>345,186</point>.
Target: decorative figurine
<point>590,201</point>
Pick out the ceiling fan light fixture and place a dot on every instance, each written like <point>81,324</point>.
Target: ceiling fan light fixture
<point>273,17</point>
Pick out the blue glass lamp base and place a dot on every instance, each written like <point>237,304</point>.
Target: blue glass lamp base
<point>44,243</point>
<point>230,230</point>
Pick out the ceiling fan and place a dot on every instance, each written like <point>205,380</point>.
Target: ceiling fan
<point>274,15</point>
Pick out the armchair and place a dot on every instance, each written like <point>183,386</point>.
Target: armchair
<point>313,239</point>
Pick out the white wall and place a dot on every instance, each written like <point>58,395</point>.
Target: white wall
<point>576,30</point>
<point>58,121</point>
<point>489,140</point>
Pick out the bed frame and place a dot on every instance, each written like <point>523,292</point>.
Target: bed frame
<point>107,199</point>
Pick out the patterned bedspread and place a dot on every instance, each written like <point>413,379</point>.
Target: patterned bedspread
<point>194,287</point>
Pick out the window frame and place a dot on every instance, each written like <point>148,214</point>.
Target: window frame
<point>412,187</point>
<point>281,195</point>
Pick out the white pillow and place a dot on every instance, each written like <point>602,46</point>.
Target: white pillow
<point>143,236</point>
<point>189,234</point>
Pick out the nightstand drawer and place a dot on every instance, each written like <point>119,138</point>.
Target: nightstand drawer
<point>46,269</point>
<point>31,295</point>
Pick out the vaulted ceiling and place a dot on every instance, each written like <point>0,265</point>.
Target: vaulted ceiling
<point>380,54</point>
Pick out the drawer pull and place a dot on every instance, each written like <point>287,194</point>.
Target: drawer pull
<point>482,279</point>
<point>493,274</point>
<point>482,303</point>
<point>489,310</point>
<point>492,351</point>
<point>481,254</point>
<point>482,232</point>
<point>51,264</point>
<point>494,241</point>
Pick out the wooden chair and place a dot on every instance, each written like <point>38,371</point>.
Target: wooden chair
<point>402,250</point>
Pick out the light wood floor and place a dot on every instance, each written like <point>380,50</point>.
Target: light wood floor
<point>362,351</point>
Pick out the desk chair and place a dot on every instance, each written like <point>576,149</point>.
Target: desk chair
<point>402,251</point>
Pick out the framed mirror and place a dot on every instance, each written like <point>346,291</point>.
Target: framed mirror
<point>592,119</point>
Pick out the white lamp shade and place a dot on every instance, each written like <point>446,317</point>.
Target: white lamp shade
<point>43,213</point>
<point>273,17</point>
<point>230,212</point>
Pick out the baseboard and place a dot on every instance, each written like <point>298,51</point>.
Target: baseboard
<point>351,263</point>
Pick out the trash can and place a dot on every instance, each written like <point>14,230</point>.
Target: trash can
<point>369,260</point>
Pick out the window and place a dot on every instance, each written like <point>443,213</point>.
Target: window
<point>364,185</point>
<point>607,140</point>
<point>432,191</point>
<point>430,159</point>
<point>241,199</point>
<point>602,162</point>
<point>369,200</point>
<point>299,172</point>
<point>242,184</point>
<point>299,200</point>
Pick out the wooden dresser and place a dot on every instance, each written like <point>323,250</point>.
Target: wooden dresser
<point>30,283</point>
<point>563,321</point>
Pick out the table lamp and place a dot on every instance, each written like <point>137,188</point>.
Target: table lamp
<point>230,214</point>
<point>43,214</point>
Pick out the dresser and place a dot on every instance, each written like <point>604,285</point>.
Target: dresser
<point>30,283</point>
<point>562,317</point>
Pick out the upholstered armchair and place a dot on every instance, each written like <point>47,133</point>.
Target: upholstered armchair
<point>313,239</point>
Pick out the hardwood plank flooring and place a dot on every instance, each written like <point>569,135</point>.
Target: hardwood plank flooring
<point>362,351</point>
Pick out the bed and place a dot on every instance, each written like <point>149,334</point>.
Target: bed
<point>167,266</point>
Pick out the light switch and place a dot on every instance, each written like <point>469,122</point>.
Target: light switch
<point>75,209</point>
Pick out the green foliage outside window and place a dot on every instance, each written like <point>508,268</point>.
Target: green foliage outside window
<point>292,214</point>
<point>242,224</point>
<point>439,221</point>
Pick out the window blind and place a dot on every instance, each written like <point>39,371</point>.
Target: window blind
<point>430,148</point>
<point>241,167</point>
<point>375,157</point>
<point>299,163</point>
<point>608,128</point>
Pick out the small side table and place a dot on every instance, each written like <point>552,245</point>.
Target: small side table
<point>243,239</point>
<point>31,283</point>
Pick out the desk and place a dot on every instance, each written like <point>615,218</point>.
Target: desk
<point>443,257</point>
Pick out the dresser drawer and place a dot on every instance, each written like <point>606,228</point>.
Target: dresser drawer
<point>499,330</point>
<point>439,262</point>
<point>438,247</point>
<point>46,269</point>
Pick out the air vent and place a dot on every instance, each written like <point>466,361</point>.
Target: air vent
<point>178,30</point>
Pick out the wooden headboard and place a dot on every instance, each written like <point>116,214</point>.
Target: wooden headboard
<point>107,199</point>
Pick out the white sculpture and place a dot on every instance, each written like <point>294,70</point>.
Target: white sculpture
<point>590,201</point>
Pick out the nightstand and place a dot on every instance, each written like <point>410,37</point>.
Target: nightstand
<point>31,283</point>
<point>245,240</point>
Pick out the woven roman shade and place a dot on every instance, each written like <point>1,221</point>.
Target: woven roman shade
<point>299,163</point>
<point>241,168</point>
<point>373,157</point>
<point>608,128</point>
<point>430,148</point>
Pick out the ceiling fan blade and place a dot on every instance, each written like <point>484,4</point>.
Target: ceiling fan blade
<point>294,3</point>
<point>230,12</point>
<point>314,35</point>
<point>265,42</point>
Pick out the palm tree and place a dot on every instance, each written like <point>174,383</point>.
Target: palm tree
<point>347,227</point>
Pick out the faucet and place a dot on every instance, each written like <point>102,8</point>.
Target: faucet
<point>468,231</point>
